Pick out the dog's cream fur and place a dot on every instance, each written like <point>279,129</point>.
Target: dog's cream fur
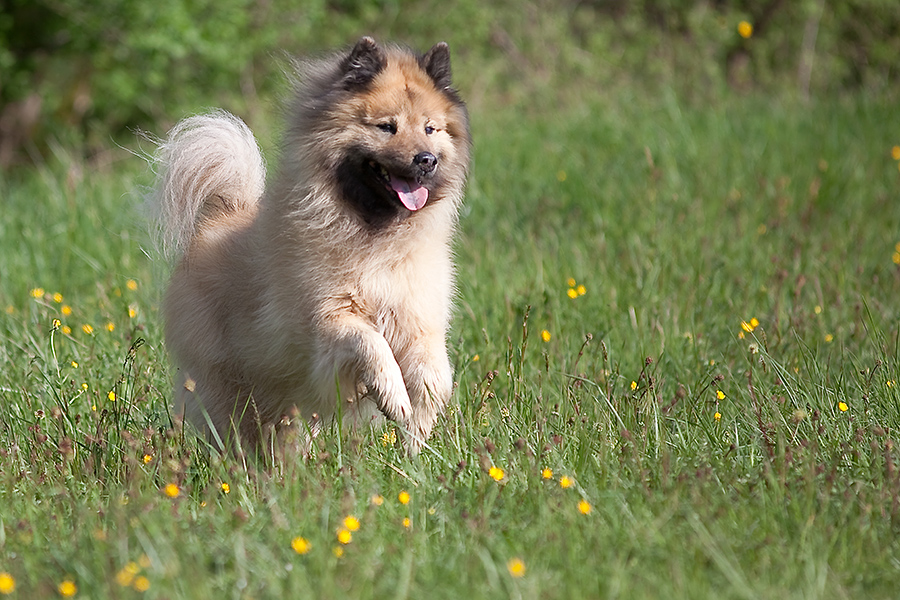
<point>286,296</point>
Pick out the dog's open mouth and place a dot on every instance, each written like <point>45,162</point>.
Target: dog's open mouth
<point>412,194</point>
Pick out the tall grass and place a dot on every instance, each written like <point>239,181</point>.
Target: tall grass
<point>721,395</point>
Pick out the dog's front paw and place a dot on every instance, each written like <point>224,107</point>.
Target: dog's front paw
<point>413,441</point>
<point>391,396</point>
<point>430,387</point>
<point>419,430</point>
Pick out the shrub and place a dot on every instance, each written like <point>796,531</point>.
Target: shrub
<point>83,72</point>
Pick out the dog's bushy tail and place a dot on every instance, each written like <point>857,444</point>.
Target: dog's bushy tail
<point>208,166</point>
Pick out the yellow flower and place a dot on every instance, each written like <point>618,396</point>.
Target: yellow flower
<point>895,152</point>
<point>57,297</point>
<point>66,330</point>
<point>147,458</point>
<point>745,29</point>
<point>110,326</point>
<point>717,416</point>
<point>476,358</point>
<point>570,282</point>
<point>496,473</point>
<point>132,312</point>
<point>633,385</point>
<point>226,489</point>
<point>896,258</point>
<point>66,310</point>
<point>74,364</point>
<point>572,293</point>
<point>389,438</point>
<point>111,396</point>
<point>545,335</point>
<point>7,583</point>
<point>301,545</point>
<point>720,394</point>
<point>581,290</point>
<point>351,523</point>
<point>406,522</point>
<point>746,326</point>
<point>584,507</point>
<point>890,383</point>
<point>67,588</point>
<point>754,322</point>
<point>87,329</point>
<point>344,536</point>
<point>131,284</point>
<point>403,497</point>
<point>842,406</point>
<point>172,490</point>
<point>547,473</point>
<point>37,292</point>
<point>565,482</point>
<point>829,338</point>
<point>377,499</point>
<point>141,584</point>
<point>516,567</point>
<point>125,577</point>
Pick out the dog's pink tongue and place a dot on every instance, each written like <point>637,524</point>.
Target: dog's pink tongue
<point>412,195</point>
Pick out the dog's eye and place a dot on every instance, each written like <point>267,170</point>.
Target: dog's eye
<point>390,128</point>
<point>429,130</point>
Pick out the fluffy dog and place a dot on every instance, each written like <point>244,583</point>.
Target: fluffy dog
<point>331,286</point>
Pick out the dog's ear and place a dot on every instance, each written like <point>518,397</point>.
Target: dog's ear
<point>364,62</point>
<point>436,63</point>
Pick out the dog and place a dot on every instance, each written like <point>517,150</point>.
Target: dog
<point>328,290</point>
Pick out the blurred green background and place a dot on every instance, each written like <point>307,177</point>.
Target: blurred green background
<point>84,74</point>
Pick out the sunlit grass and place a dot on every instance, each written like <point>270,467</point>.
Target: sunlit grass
<point>675,352</point>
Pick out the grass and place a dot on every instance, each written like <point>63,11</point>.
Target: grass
<point>680,222</point>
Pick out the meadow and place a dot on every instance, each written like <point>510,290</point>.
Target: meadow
<point>676,356</point>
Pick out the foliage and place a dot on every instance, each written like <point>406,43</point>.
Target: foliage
<point>82,72</point>
<point>709,409</point>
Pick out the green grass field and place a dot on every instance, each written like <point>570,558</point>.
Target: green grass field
<point>676,346</point>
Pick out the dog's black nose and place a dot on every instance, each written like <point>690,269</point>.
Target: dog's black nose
<point>426,161</point>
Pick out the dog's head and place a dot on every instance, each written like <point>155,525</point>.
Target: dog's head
<point>392,130</point>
